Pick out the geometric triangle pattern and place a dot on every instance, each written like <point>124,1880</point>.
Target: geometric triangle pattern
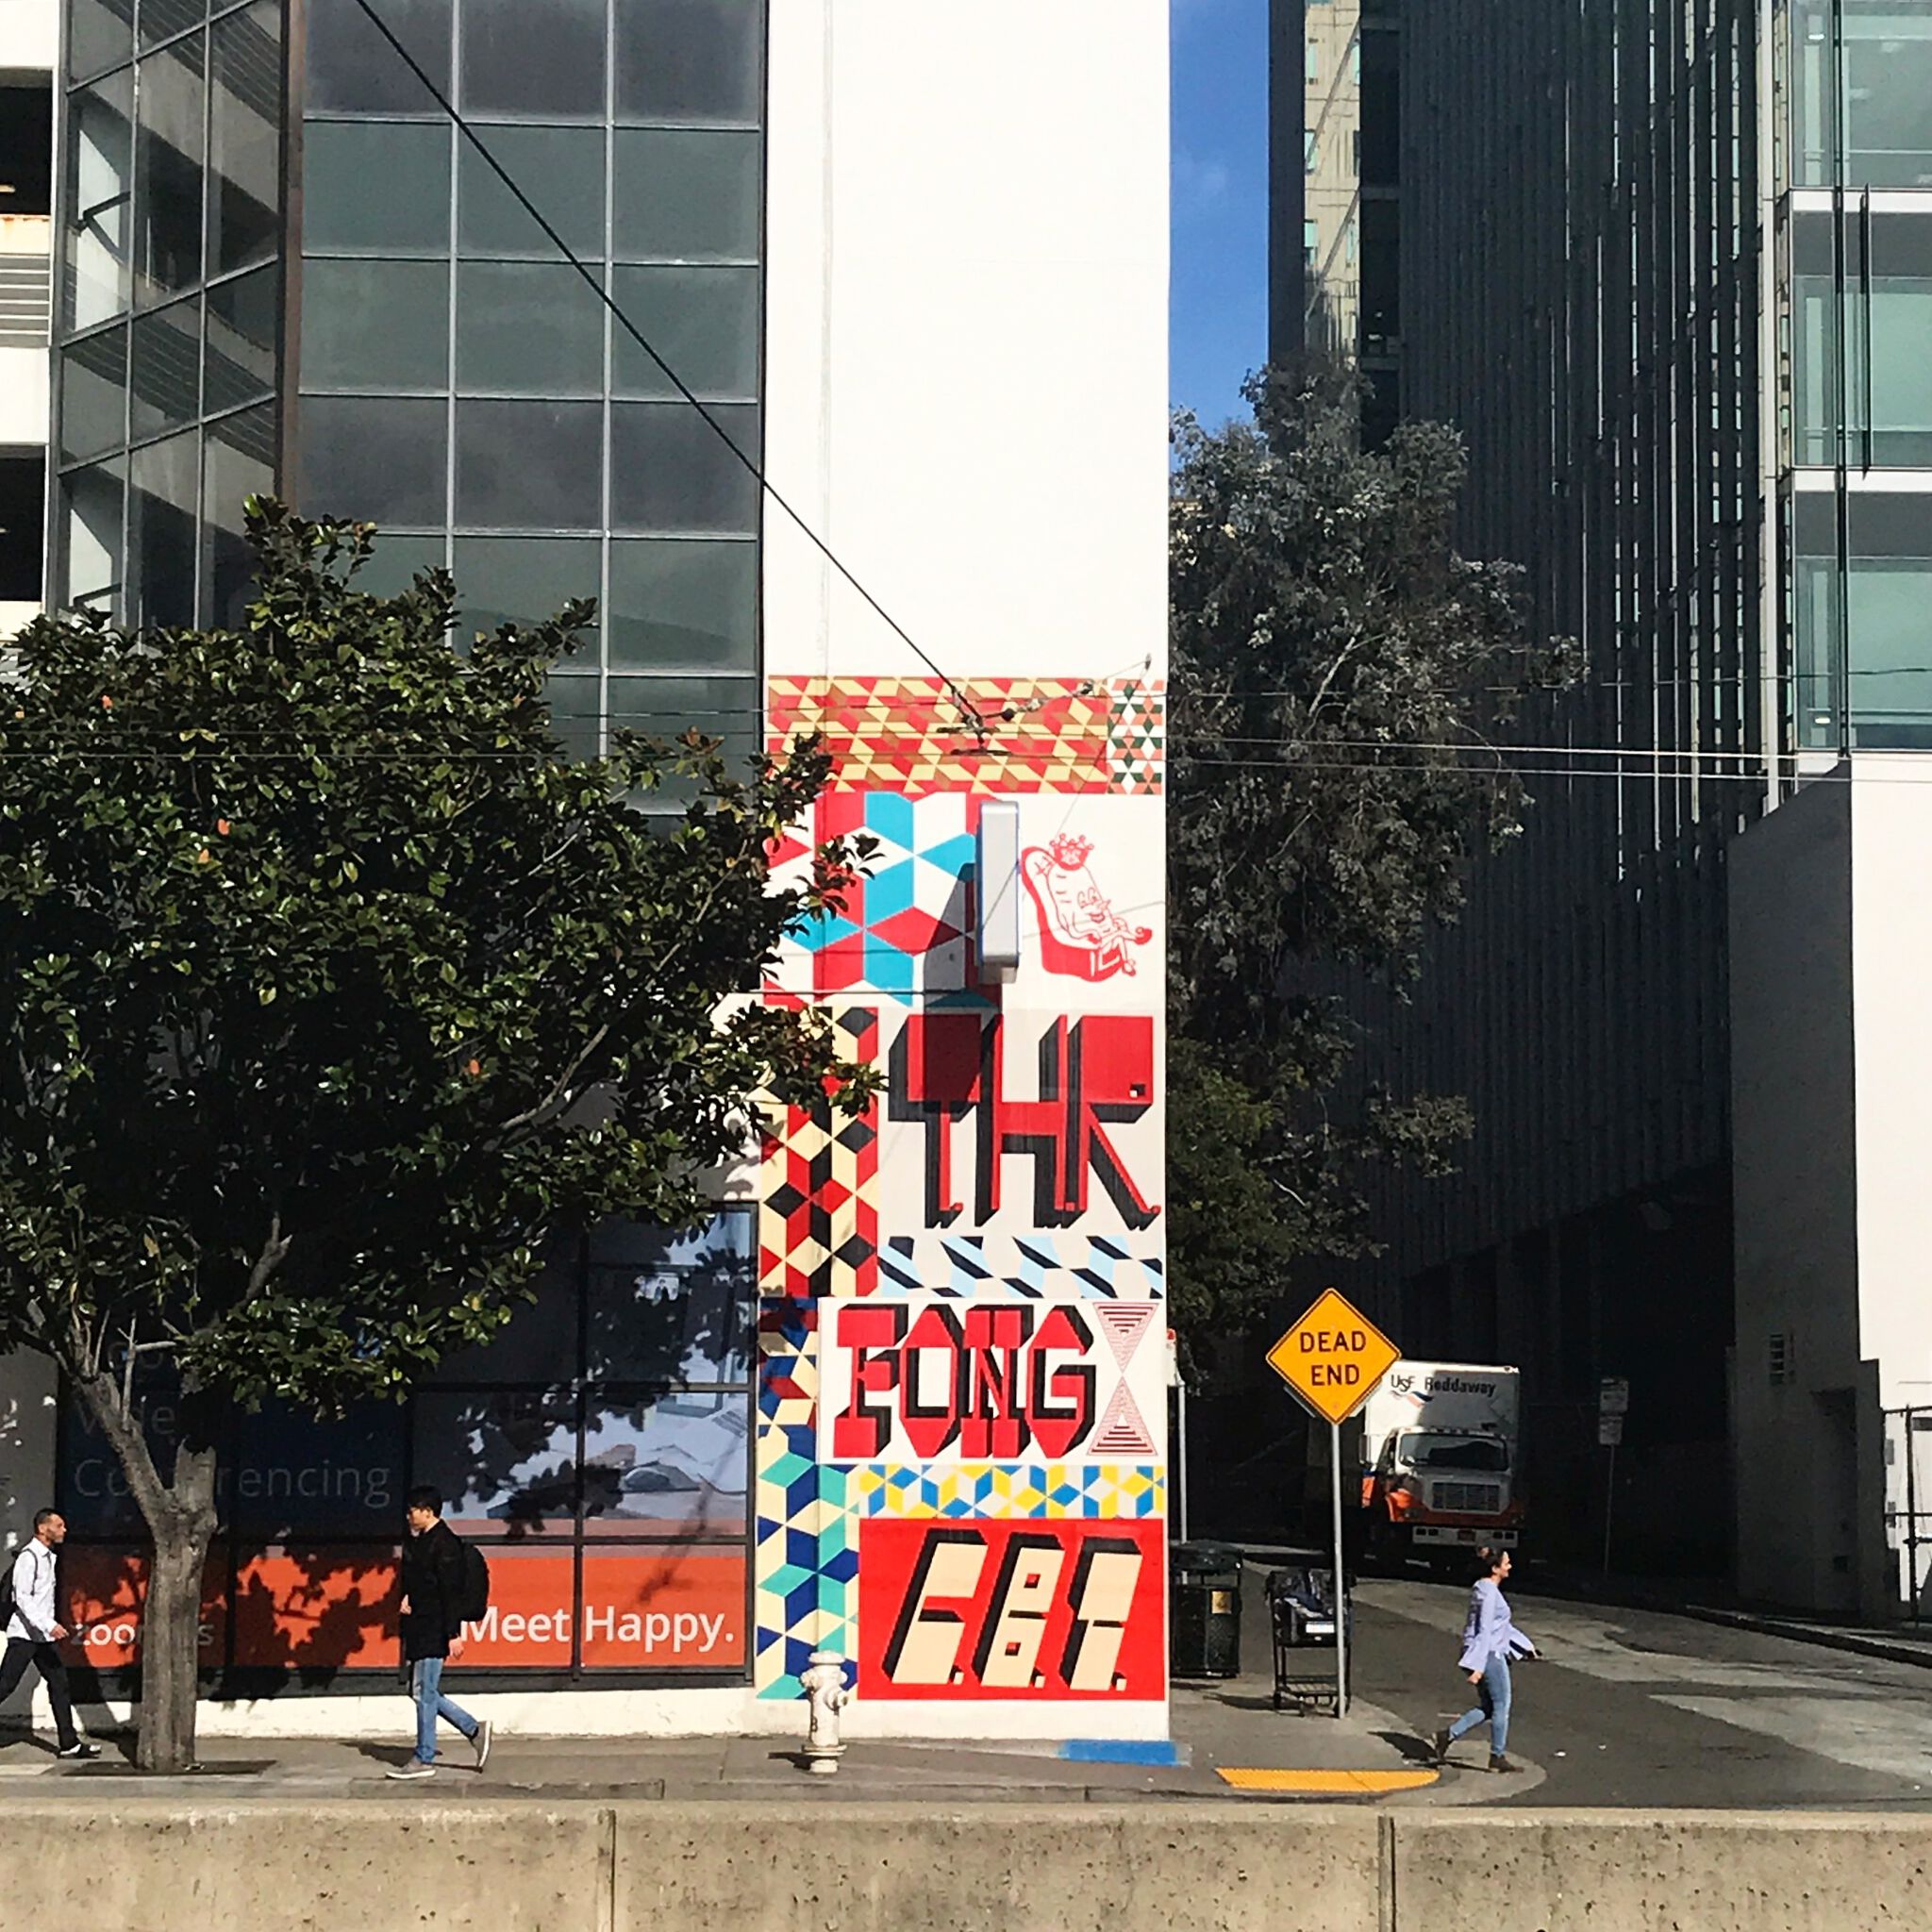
<point>1137,734</point>
<point>1124,1323</point>
<point>1037,1267</point>
<point>1004,1492</point>
<point>1122,1429</point>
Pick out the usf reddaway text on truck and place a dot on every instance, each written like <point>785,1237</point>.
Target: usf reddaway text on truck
<point>1440,1451</point>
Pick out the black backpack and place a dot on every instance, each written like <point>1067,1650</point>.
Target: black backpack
<point>7,1559</point>
<point>474,1600</point>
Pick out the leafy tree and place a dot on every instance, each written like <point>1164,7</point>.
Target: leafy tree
<point>331,987</point>
<point>1339,675</point>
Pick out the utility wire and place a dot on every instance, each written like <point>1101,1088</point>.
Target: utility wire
<point>967,706</point>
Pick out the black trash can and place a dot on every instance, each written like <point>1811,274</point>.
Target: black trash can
<point>1205,1610</point>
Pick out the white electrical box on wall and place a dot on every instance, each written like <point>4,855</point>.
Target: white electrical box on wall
<point>996,885</point>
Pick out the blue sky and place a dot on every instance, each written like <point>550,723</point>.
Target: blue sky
<point>1220,144</point>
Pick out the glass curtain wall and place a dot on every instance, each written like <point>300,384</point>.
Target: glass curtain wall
<point>462,387</point>
<point>168,315</point>
<point>1857,238</point>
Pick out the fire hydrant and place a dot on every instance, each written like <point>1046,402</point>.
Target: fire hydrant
<point>824,1685</point>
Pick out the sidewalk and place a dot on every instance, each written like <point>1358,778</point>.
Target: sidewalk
<point>1228,1725</point>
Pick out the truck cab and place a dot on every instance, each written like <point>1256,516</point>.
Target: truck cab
<point>1438,1453</point>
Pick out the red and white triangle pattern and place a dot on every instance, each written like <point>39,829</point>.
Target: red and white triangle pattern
<point>1124,1325</point>
<point>1122,1429</point>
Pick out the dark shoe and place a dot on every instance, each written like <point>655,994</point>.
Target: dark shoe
<point>481,1742</point>
<point>415,1767</point>
<point>1440,1746</point>
<point>79,1748</point>
<point>1500,1763</point>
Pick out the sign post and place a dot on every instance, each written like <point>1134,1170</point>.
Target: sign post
<point>1333,1358</point>
<point>1612,1405</point>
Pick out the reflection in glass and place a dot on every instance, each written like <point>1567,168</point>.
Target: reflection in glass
<point>166,377</point>
<point>556,73</point>
<point>683,605</point>
<point>686,194</point>
<point>161,544</point>
<point>703,321</point>
<point>380,458</point>
<point>245,138</point>
<point>723,708</point>
<point>689,61</point>
<point>90,535</point>
<point>375,324</point>
<point>391,570</point>
<point>351,68</point>
<point>1862,76</point>
<point>668,1465</point>
<point>339,160</point>
<point>160,20</point>
<point>243,321</point>
<point>672,1308</point>
<point>506,1461</point>
<point>529,465</point>
<point>99,166</point>
<point>99,34</point>
<point>670,471</point>
<point>237,463</point>
<point>540,1342</point>
<point>523,580</point>
<point>528,329</point>
<point>560,169</point>
<point>167,171</point>
<point>94,395</point>
<point>576,707</point>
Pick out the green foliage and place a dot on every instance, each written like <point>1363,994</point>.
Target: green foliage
<point>331,984</point>
<point>1340,674</point>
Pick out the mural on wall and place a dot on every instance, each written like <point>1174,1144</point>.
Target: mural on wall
<point>959,1473</point>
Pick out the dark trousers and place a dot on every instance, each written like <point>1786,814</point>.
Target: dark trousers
<point>22,1651</point>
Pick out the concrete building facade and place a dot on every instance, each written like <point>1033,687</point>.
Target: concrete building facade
<point>903,1400</point>
<point>1661,264</point>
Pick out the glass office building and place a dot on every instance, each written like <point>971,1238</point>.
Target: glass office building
<point>284,266</point>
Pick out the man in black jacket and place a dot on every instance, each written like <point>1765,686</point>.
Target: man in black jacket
<point>433,1630</point>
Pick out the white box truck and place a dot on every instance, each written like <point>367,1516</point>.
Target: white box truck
<point>1439,1459</point>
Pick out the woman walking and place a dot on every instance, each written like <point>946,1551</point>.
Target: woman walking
<point>1490,1641</point>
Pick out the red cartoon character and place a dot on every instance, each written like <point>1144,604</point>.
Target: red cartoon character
<point>1080,934</point>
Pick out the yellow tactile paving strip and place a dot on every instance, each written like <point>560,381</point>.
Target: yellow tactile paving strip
<point>1329,1784</point>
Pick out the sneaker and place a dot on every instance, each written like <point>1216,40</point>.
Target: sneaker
<point>415,1767</point>
<point>1502,1764</point>
<point>1441,1744</point>
<point>79,1748</point>
<point>480,1744</point>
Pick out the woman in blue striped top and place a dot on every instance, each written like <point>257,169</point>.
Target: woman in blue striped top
<point>1490,1643</point>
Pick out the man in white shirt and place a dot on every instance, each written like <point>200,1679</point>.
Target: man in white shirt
<point>34,1630</point>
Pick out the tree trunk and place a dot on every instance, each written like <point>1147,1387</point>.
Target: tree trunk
<point>181,1520</point>
<point>171,1617</point>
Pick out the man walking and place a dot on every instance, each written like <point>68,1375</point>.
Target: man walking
<point>34,1629</point>
<point>433,1630</point>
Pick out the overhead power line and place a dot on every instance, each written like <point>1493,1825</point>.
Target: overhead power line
<point>953,687</point>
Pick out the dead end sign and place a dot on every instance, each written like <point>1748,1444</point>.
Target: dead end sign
<point>1333,1357</point>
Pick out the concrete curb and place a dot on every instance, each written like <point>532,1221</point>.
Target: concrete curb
<point>1858,1643</point>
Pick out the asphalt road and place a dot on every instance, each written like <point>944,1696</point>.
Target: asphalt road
<point>1639,1707</point>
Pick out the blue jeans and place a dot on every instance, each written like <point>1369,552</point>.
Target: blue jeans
<point>425,1685</point>
<point>1493,1709</point>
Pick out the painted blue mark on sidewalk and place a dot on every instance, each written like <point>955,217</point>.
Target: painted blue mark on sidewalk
<point>1121,1751</point>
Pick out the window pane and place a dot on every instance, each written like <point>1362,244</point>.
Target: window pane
<point>555,71</point>
<point>237,461</point>
<point>375,324</point>
<point>688,59</point>
<point>686,194</point>
<point>670,471</point>
<point>524,580</point>
<point>340,160</point>
<point>160,20</point>
<point>99,33</point>
<point>92,534</point>
<point>166,374</point>
<point>672,1308</point>
<point>560,169</point>
<point>99,165</point>
<point>391,567</point>
<point>167,172</point>
<point>161,531</point>
<point>297,1476</point>
<point>724,708</point>
<point>245,138</point>
<point>531,466</point>
<point>576,706</point>
<point>94,395</point>
<point>703,321</point>
<point>528,327</point>
<point>383,460</point>
<point>668,1466</point>
<point>540,1342</point>
<point>243,325</point>
<point>352,69</point>
<point>683,605</point>
<point>505,1463</point>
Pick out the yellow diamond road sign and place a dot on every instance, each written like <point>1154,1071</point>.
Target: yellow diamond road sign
<point>1333,1357</point>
